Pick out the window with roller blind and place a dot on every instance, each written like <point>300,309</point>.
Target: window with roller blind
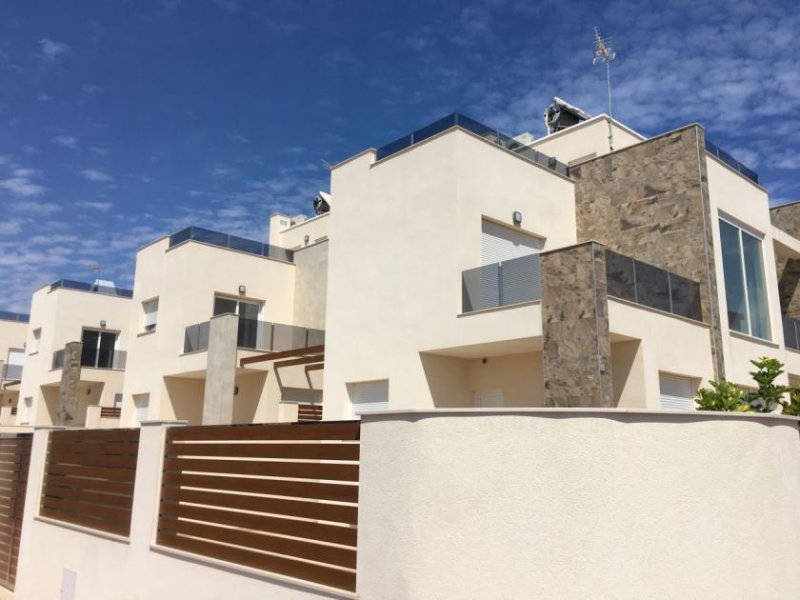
<point>369,396</point>
<point>150,310</point>
<point>500,243</point>
<point>677,392</point>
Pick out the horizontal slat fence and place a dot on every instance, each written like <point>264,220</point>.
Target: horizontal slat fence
<point>89,477</point>
<point>309,412</point>
<point>15,459</point>
<point>281,498</point>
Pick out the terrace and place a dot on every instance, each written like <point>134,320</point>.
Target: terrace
<point>231,242</point>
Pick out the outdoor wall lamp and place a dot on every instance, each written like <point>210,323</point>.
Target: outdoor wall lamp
<point>102,324</point>
<point>517,217</point>
<point>242,289</point>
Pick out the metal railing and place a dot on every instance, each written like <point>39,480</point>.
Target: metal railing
<point>223,240</point>
<point>729,160</point>
<point>91,287</point>
<point>12,316</point>
<point>642,283</point>
<point>12,372</point>
<point>484,131</point>
<point>257,335</point>
<point>116,360</point>
<point>501,284</point>
<point>791,332</point>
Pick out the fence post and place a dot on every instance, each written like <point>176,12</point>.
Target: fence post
<point>147,487</point>
<point>26,563</point>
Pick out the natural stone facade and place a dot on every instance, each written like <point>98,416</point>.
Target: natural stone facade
<point>70,378</point>
<point>651,196</point>
<point>577,348</point>
<point>787,218</point>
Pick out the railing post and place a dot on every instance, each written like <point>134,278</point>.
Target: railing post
<point>669,291</point>
<point>500,284</point>
<point>635,282</point>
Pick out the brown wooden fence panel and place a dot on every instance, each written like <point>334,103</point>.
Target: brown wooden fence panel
<point>281,498</point>
<point>15,458</point>
<point>89,478</point>
<point>309,412</point>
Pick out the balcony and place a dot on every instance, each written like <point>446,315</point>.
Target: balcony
<point>91,287</point>
<point>502,284</point>
<point>641,283</point>
<point>115,360</point>
<point>257,335</point>
<point>12,372</point>
<point>791,333</point>
<point>231,242</point>
<point>473,126</point>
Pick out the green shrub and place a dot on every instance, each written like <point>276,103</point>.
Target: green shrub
<point>723,396</point>
<point>792,407</point>
<point>768,396</point>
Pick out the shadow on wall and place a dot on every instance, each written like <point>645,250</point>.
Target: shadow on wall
<point>511,380</point>
<point>247,396</point>
<point>186,398</point>
<point>627,374</point>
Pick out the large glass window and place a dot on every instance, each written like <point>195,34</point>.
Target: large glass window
<point>745,285</point>
<point>248,312</point>
<point>98,348</point>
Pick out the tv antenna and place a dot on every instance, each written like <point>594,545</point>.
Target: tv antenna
<point>604,53</point>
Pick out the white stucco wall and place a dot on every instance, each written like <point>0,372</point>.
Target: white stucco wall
<point>402,230</point>
<point>737,199</point>
<point>61,314</point>
<point>586,139</point>
<point>185,279</point>
<point>578,504</point>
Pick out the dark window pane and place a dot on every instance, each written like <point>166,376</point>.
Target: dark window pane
<point>685,297</point>
<point>90,340</point>
<point>619,276</point>
<point>734,278</point>
<point>224,305</point>
<point>105,355</point>
<point>652,286</point>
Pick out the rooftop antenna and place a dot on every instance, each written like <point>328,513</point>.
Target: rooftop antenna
<point>604,53</point>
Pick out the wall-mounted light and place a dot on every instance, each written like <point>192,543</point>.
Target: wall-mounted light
<point>242,289</point>
<point>102,324</point>
<point>305,239</point>
<point>517,217</point>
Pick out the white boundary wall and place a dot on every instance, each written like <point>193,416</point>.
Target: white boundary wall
<point>579,504</point>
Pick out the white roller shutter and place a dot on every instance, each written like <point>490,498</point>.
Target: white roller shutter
<point>499,243</point>
<point>677,393</point>
<point>368,396</point>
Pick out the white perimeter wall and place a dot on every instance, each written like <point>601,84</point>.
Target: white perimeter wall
<point>575,504</point>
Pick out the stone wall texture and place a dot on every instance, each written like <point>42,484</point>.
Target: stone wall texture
<point>68,390</point>
<point>650,202</point>
<point>787,218</point>
<point>577,349</point>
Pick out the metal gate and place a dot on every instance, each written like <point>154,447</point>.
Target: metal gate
<point>15,458</point>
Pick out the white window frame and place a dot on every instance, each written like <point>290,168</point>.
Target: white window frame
<point>97,348</point>
<point>741,228</point>
<point>150,317</point>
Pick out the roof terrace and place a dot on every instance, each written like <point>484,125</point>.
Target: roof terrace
<point>232,242</point>
<point>473,126</point>
<point>94,288</point>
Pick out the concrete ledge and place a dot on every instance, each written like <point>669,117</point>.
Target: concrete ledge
<point>82,529</point>
<point>322,590</point>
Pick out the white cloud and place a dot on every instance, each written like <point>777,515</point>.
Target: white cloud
<point>43,97</point>
<point>229,5</point>
<point>223,171</point>
<point>66,141</point>
<point>36,209</point>
<point>21,185</point>
<point>96,175</point>
<point>52,51</point>
<point>98,206</point>
<point>91,88</point>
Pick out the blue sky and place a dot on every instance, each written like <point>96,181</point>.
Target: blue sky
<point>121,121</point>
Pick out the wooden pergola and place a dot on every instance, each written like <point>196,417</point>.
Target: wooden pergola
<point>313,357</point>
